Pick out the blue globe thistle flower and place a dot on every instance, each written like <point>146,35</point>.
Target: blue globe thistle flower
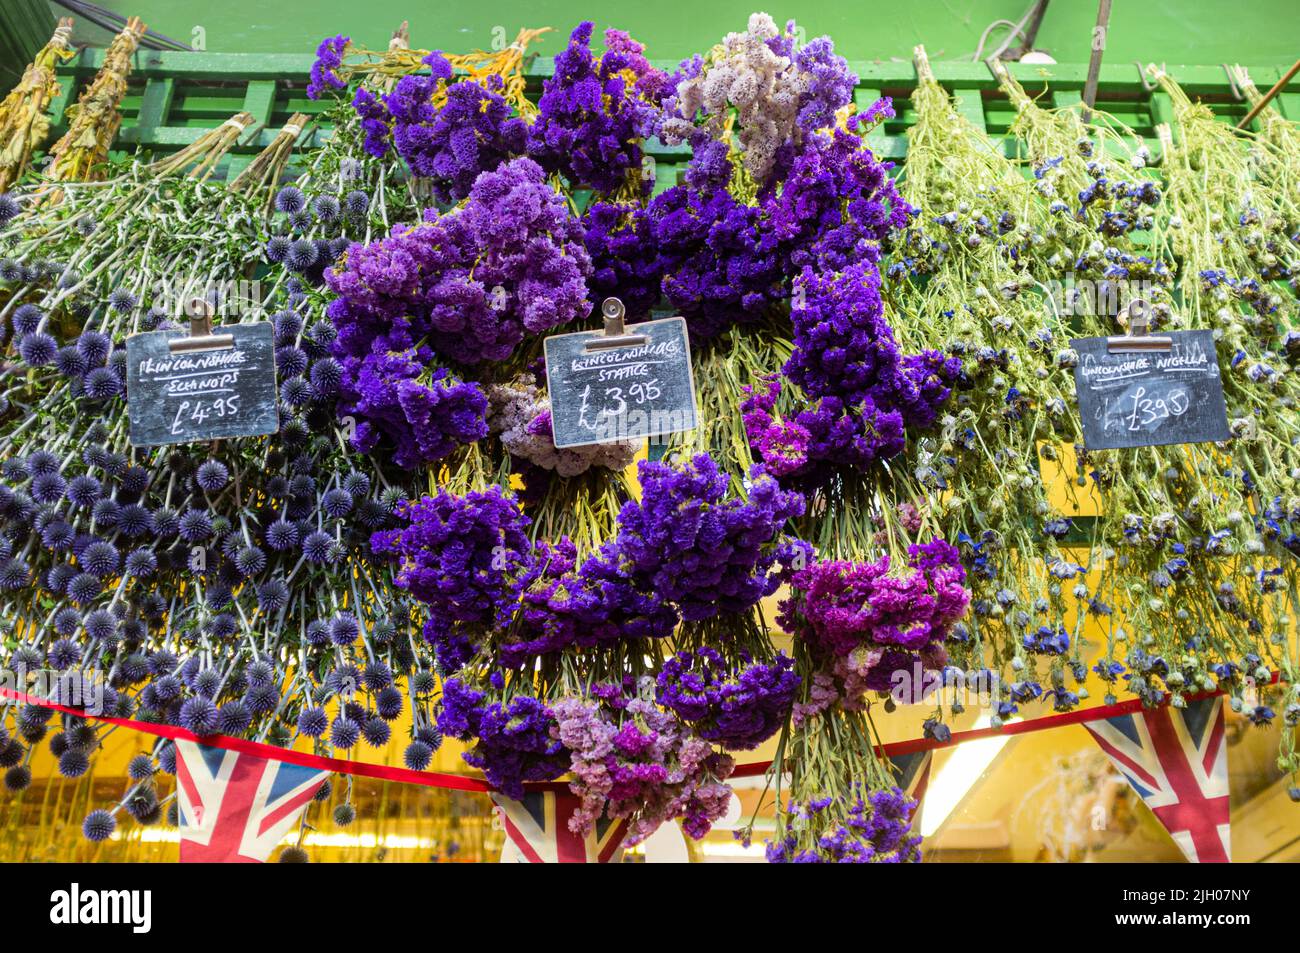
<point>417,755</point>
<point>281,535</point>
<point>300,221</point>
<point>57,536</point>
<point>100,625</point>
<point>287,325</point>
<point>37,349</point>
<point>140,768</point>
<point>344,815</point>
<point>317,547</point>
<point>26,319</point>
<point>18,778</point>
<point>233,718</point>
<point>84,490</point>
<point>199,715</point>
<point>64,654</point>
<point>41,462</point>
<point>66,621</point>
<point>376,731</point>
<point>134,521</point>
<point>211,476</point>
<point>195,526</point>
<point>69,362</point>
<point>337,503</point>
<point>344,732</point>
<point>9,208</point>
<point>105,512</point>
<point>302,255</point>
<point>162,662</point>
<point>344,629</point>
<point>167,689</point>
<point>389,703</point>
<point>296,392</point>
<point>356,203</point>
<point>94,346</point>
<point>429,735</point>
<point>84,588</point>
<point>263,699</point>
<point>133,479</point>
<point>423,683</point>
<point>317,633</point>
<point>100,559</point>
<point>326,207</point>
<point>376,676</point>
<point>207,682</point>
<point>313,722</point>
<point>122,301</point>
<point>102,384</point>
<point>272,596</point>
<point>141,563</point>
<point>250,561</point>
<point>73,763</point>
<point>290,200</point>
<point>165,523</point>
<point>48,488</point>
<point>277,248</point>
<point>326,376</point>
<point>98,826</point>
<point>258,672</point>
<point>291,361</point>
<point>167,758</point>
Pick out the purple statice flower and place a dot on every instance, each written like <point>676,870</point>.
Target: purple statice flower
<point>424,415</point>
<point>590,118</point>
<point>855,827</point>
<point>324,72</point>
<point>649,81</point>
<point>843,346</point>
<point>624,262</point>
<point>376,122</point>
<point>631,759</point>
<point>515,742</point>
<point>738,705</point>
<point>449,132</point>
<point>687,542</point>
<point>597,604</point>
<point>807,448</point>
<point>828,83</point>
<point>470,283</point>
<point>866,621</point>
<point>717,269</point>
<point>458,555</point>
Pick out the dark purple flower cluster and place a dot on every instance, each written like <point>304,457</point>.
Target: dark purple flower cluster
<point>451,132</point>
<point>867,621</point>
<point>423,415</point>
<point>591,117</point>
<point>845,357</point>
<point>458,555</point>
<point>618,237</point>
<point>470,283</point>
<point>324,72</point>
<point>689,544</point>
<point>854,828</point>
<point>738,706</point>
<point>513,741</point>
<point>376,122</point>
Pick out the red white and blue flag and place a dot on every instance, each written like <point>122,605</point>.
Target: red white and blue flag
<point>1177,761</point>
<point>235,808</point>
<point>538,829</point>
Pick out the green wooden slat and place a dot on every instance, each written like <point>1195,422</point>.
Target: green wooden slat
<point>260,101</point>
<point>155,105</point>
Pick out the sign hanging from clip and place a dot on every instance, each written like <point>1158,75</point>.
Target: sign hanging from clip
<point>621,383</point>
<point>1138,339</point>
<point>201,386</point>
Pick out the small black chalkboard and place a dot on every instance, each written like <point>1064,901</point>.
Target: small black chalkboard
<point>627,392</point>
<point>192,396</point>
<point>1150,398</point>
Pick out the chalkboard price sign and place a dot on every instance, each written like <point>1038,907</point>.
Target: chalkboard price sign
<point>189,396</point>
<point>641,388</point>
<point>1150,398</point>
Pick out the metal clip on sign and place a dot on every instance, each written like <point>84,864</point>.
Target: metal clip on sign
<point>201,337</point>
<point>1138,340</point>
<point>612,311</point>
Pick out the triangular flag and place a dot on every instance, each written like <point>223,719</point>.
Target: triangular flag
<point>537,831</point>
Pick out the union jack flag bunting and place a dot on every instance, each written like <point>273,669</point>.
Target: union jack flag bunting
<point>1177,762</point>
<point>234,808</point>
<point>538,829</point>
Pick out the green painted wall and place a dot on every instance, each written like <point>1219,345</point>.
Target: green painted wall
<point>1175,31</point>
